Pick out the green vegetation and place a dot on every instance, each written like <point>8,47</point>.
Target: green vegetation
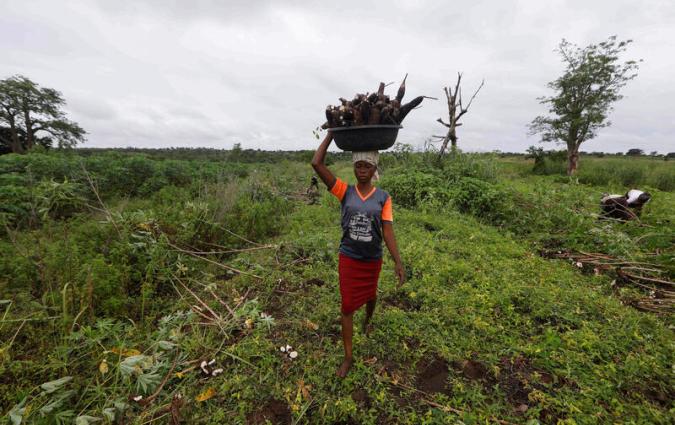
<point>31,116</point>
<point>123,291</point>
<point>609,171</point>
<point>584,95</point>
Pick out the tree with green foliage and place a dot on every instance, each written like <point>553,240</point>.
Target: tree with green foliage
<point>30,111</point>
<point>635,152</point>
<point>584,94</point>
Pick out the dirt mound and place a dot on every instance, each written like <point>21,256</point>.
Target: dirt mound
<point>403,301</point>
<point>361,397</point>
<point>473,370</point>
<point>275,411</point>
<point>432,376</point>
<point>515,376</point>
<point>314,282</point>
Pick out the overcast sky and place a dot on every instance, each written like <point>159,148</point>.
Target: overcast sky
<point>159,73</point>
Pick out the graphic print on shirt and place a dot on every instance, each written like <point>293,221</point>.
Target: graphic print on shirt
<point>360,228</point>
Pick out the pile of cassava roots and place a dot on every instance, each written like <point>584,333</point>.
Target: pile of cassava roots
<point>371,109</point>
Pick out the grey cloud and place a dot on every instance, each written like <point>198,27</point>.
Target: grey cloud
<point>166,73</point>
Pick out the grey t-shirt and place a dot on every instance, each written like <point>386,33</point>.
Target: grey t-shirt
<point>362,218</point>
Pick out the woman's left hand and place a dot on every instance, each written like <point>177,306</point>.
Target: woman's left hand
<point>400,273</point>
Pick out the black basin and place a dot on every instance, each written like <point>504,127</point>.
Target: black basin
<point>365,137</point>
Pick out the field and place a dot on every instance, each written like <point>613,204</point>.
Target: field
<point>124,274</point>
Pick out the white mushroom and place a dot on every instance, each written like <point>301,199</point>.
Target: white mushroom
<point>293,354</point>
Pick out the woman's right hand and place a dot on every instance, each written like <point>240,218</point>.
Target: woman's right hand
<point>400,273</point>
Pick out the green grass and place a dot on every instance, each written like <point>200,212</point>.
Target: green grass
<point>507,333</point>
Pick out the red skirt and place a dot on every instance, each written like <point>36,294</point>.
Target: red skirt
<point>358,282</point>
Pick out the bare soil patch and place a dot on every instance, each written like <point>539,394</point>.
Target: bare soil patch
<point>275,411</point>
<point>432,376</point>
<point>361,397</point>
<point>402,301</point>
<point>473,370</point>
<point>516,377</point>
<point>313,282</point>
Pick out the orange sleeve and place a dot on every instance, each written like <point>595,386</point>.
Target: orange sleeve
<point>387,214</point>
<point>339,189</point>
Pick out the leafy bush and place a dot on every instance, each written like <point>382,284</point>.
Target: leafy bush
<point>478,166</point>
<point>548,162</point>
<point>481,199</point>
<point>256,213</point>
<point>414,187</point>
<point>59,199</point>
<point>15,199</point>
<point>100,288</point>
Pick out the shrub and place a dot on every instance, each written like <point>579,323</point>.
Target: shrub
<point>548,162</point>
<point>59,199</point>
<point>412,188</point>
<point>15,199</point>
<point>256,213</point>
<point>663,179</point>
<point>100,289</point>
<point>481,199</point>
<point>153,184</point>
<point>479,166</point>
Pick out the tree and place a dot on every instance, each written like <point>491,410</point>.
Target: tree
<point>30,110</point>
<point>635,152</point>
<point>584,94</point>
<point>455,111</point>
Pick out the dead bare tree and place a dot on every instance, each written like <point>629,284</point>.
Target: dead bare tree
<point>455,111</point>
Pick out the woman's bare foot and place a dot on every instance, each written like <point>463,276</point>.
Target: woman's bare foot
<point>344,367</point>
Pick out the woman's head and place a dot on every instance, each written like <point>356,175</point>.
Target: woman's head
<point>365,166</point>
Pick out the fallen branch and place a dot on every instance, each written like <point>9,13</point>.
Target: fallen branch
<point>230,232</point>
<point>199,300</point>
<point>632,272</point>
<point>36,319</point>
<point>646,279</point>
<point>230,251</point>
<point>226,267</point>
<point>100,201</point>
<point>154,395</point>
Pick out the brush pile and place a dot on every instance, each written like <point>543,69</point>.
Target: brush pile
<point>660,290</point>
<point>371,109</point>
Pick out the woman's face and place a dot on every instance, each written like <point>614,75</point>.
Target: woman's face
<point>364,171</point>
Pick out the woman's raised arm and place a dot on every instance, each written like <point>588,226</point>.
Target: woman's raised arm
<point>318,161</point>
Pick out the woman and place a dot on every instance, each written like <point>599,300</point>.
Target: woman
<point>366,220</point>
